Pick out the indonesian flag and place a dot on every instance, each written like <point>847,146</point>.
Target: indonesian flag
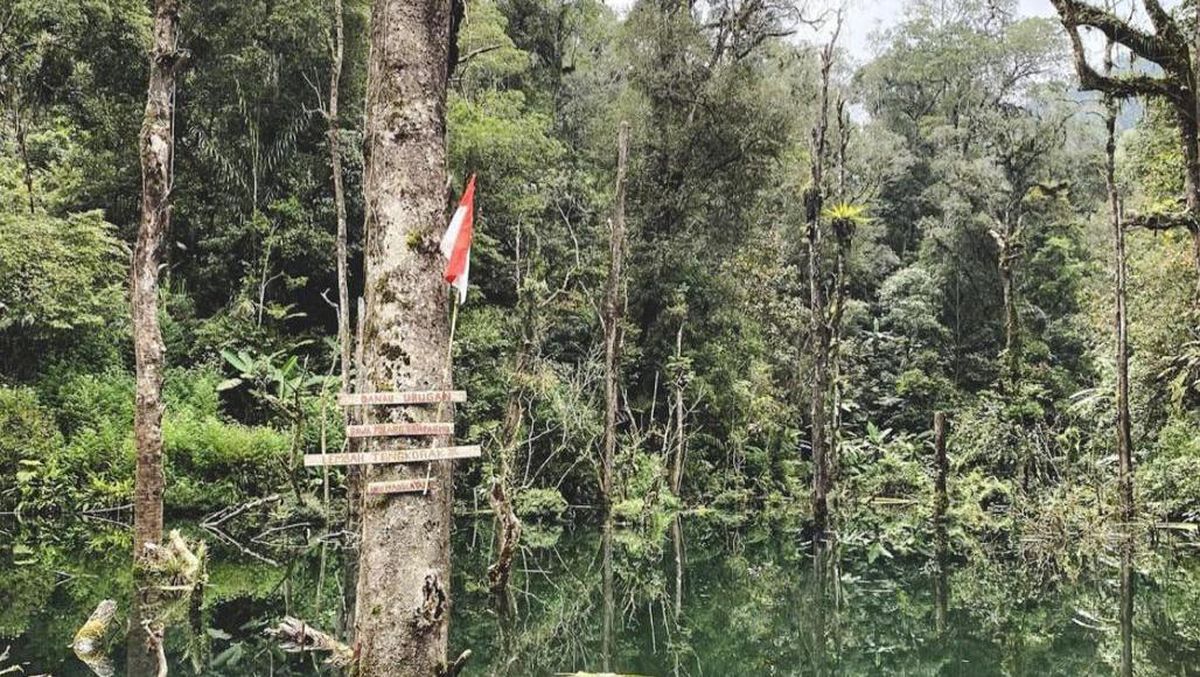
<point>456,243</point>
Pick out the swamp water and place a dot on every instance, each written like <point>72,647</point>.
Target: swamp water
<point>704,600</point>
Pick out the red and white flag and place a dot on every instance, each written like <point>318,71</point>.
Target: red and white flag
<point>456,243</point>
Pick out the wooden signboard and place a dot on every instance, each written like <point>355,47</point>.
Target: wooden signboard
<point>393,456</point>
<point>399,429</point>
<point>400,486</point>
<point>413,397</point>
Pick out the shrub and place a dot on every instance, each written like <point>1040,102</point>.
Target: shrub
<point>1169,480</point>
<point>540,504</point>
<point>209,461</point>
<point>29,441</point>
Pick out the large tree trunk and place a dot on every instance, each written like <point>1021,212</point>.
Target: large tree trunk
<point>403,603</point>
<point>156,149</point>
<point>1120,324</point>
<point>612,321</point>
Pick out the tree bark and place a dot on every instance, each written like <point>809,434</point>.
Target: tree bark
<point>1120,323</point>
<point>156,150</point>
<point>403,588</point>
<point>612,321</point>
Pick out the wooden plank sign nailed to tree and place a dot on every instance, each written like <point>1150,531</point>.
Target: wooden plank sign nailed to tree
<point>400,429</point>
<point>393,456</point>
<point>412,397</point>
<point>400,486</point>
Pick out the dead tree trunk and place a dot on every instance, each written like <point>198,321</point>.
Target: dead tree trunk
<point>403,588</point>
<point>844,231</point>
<point>679,458</point>
<point>1008,244</point>
<point>612,321</point>
<point>1120,324</point>
<point>818,323</point>
<point>157,147</point>
<point>508,525</point>
<point>339,196</point>
<point>941,468</point>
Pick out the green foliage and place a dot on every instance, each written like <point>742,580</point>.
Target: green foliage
<point>1170,477</point>
<point>29,441</point>
<point>210,461</point>
<point>540,504</point>
<point>58,275</point>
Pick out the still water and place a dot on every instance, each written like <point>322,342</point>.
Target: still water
<point>696,598</point>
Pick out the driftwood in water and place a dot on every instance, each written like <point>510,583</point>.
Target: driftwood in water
<point>88,643</point>
<point>90,635</point>
<point>296,636</point>
<point>453,668</point>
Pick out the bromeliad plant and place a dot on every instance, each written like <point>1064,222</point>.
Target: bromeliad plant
<point>845,218</point>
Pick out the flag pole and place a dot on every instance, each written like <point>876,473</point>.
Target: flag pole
<point>453,328</point>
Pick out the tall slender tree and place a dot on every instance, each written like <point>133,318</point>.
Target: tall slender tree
<point>818,323</point>
<point>1120,323</point>
<point>337,50</point>
<point>157,149</point>
<point>403,599</point>
<point>613,308</point>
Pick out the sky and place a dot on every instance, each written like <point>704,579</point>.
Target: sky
<point>868,16</point>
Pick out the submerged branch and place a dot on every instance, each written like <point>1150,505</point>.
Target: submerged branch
<point>296,636</point>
